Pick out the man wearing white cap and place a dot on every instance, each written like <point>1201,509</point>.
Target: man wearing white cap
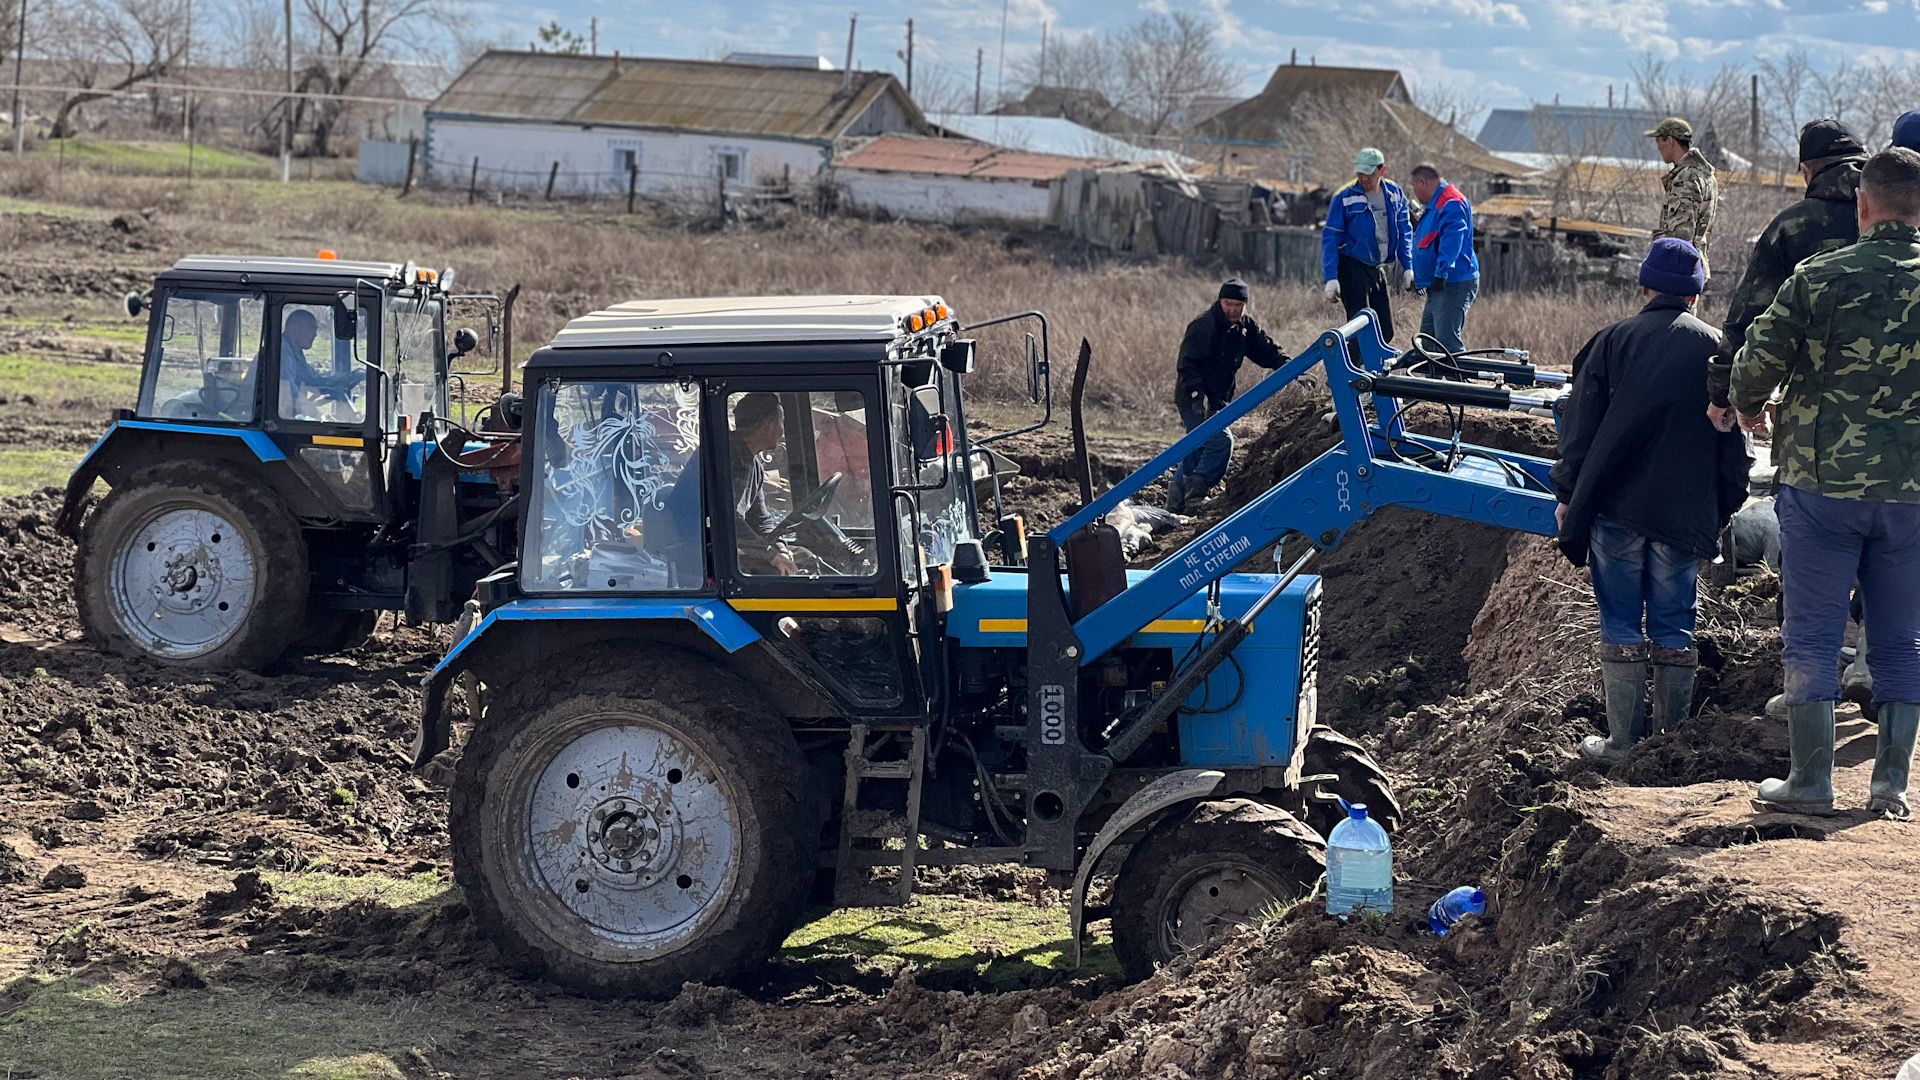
<point>1368,233</point>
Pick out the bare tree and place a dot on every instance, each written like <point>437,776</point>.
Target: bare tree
<point>1784,85</point>
<point>354,37</point>
<point>1720,104</point>
<point>1086,62</point>
<point>108,46</point>
<point>1169,61</point>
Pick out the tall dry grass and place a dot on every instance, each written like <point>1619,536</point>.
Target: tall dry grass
<point>570,260</point>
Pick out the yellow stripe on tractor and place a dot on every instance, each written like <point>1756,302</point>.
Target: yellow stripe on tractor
<point>818,603</point>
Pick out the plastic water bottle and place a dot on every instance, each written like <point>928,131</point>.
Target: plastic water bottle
<point>1465,900</point>
<point>1359,866</point>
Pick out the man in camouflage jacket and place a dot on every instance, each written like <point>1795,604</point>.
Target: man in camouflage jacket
<point>1842,343</point>
<point>1691,190</point>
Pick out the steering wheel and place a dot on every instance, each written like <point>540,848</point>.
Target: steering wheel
<point>814,506</point>
<point>220,394</point>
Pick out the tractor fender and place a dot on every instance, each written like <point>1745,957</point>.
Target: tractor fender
<point>508,625</point>
<point>1185,785</point>
<point>131,445</point>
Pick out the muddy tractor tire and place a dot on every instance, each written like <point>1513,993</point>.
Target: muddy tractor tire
<point>187,565</point>
<point>634,822</point>
<point>1196,878</point>
<point>330,631</point>
<point>1349,773</point>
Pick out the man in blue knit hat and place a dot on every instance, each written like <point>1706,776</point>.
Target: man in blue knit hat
<point>1646,482</point>
<point>1906,130</point>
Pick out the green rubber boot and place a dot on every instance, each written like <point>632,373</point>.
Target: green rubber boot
<point>1893,759</point>
<point>1808,788</point>
<point>1623,674</point>
<point>1673,671</point>
<point>1856,680</point>
<point>1777,707</point>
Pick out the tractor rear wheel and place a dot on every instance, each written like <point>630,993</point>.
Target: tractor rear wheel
<point>1193,880</point>
<point>185,564</point>
<point>1351,774</point>
<point>633,823</point>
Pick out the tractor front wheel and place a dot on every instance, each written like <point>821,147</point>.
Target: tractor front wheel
<point>1191,881</point>
<point>187,565</point>
<point>1334,767</point>
<point>634,822</point>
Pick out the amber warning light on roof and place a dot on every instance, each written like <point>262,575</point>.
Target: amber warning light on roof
<point>325,253</point>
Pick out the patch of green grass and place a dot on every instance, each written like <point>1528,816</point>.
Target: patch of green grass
<point>167,158</point>
<point>9,205</point>
<point>52,381</point>
<point>26,470</point>
<point>330,890</point>
<point>124,332</point>
<point>79,1030</point>
<point>1006,945</point>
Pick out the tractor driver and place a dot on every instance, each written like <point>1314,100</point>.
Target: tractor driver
<point>758,428</point>
<point>301,384</point>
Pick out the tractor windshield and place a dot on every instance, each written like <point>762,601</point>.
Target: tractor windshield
<point>202,359</point>
<point>615,492</point>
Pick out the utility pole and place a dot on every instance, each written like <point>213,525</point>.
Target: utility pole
<point>186,66</point>
<point>19,64</point>
<point>846,74</point>
<point>1753,125</point>
<point>1000,63</point>
<point>909,57</point>
<point>979,65</point>
<point>593,36</point>
<point>1043,56</point>
<point>286,112</point>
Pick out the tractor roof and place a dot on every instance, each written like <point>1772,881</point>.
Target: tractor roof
<point>277,265</point>
<point>746,320</point>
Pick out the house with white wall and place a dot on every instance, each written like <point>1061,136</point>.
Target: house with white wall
<point>952,181</point>
<point>595,124</point>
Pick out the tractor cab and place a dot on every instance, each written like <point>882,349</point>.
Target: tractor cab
<point>291,466</point>
<point>802,460</point>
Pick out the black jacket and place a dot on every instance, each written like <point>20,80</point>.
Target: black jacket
<point>1211,352</point>
<point>1822,221</point>
<point>1635,441</point>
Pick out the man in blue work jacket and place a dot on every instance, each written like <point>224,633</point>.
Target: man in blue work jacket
<point>1367,235</point>
<point>1443,262</point>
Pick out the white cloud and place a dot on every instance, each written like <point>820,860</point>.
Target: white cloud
<point>1874,7</point>
<point>1639,24</point>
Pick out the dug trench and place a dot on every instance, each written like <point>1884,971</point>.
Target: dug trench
<point>161,832</point>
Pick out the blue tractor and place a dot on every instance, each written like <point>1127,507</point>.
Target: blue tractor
<point>771,636</point>
<point>289,470</point>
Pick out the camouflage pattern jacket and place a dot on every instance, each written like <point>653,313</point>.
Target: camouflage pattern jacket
<point>1822,221</point>
<point>1840,340</point>
<point>1687,213</point>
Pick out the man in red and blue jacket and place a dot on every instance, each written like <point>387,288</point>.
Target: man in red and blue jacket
<point>1368,233</point>
<point>1443,261</point>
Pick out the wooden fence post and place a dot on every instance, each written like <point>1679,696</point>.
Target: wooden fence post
<point>552,175</point>
<point>633,185</point>
<point>413,154</point>
<point>473,181</point>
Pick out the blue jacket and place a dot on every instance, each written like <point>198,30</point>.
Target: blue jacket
<point>1350,229</point>
<point>1443,243</point>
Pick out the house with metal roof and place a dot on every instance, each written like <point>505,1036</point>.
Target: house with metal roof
<point>1040,135</point>
<point>1550,135</point>
<point>665,127</point>
<point>953,181</point>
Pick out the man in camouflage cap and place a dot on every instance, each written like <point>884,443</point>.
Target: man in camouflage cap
<point>1691,191</point>
<point>1840,341</point>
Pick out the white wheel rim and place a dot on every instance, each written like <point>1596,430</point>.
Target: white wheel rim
<point>184,583</point>
<point>1211,904</point>
<point>630,837</point>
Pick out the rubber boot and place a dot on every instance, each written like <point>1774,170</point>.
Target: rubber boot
<point>1856,681</point>
<point>1777,707</point>
<point>1808,788</point>
<point>1623,674</point>
<point>1893,759</point>
<point>1673,671</point>
<point>1176,494</point>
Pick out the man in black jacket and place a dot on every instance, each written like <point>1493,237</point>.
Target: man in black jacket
<point>1830,159</point>
<point>1209,366</point>
<point>1645,484</point>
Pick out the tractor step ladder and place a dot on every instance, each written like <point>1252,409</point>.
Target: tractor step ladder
<point>851,887</point>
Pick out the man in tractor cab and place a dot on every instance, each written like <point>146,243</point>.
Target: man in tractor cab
<point>1209,367</point>
<point>758,428</point>
<point>302,386</point>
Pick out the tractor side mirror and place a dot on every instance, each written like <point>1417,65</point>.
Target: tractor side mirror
<point>928,426</point>
<point>343,316</point>
<point>957,356</point>
<point>135,303</point>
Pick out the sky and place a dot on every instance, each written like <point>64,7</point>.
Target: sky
<point>1489,52</point>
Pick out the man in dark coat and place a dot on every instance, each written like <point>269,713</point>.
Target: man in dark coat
<point>1209,366</point>
<point>1830,159</point>
<point>1646,483</point>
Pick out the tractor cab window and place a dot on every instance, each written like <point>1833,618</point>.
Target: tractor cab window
<point>203,360</point>
<point>615,501</point>
<point>927,458</point>
<point>800,484</point>
<point>320,381</point>
<point>415,342</point>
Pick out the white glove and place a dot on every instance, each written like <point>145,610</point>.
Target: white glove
<point>1406,280</point>
<point>1333,291</point>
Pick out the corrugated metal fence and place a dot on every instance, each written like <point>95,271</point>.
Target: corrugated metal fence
<point>382,163</point>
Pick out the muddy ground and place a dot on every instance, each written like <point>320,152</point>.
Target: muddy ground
<point>159,833</point>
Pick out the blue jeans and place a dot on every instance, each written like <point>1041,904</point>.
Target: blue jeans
<point>1446,311</point>
<point>1638,580</point>
<point>1206,466</point>
<point>1826,544</point>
